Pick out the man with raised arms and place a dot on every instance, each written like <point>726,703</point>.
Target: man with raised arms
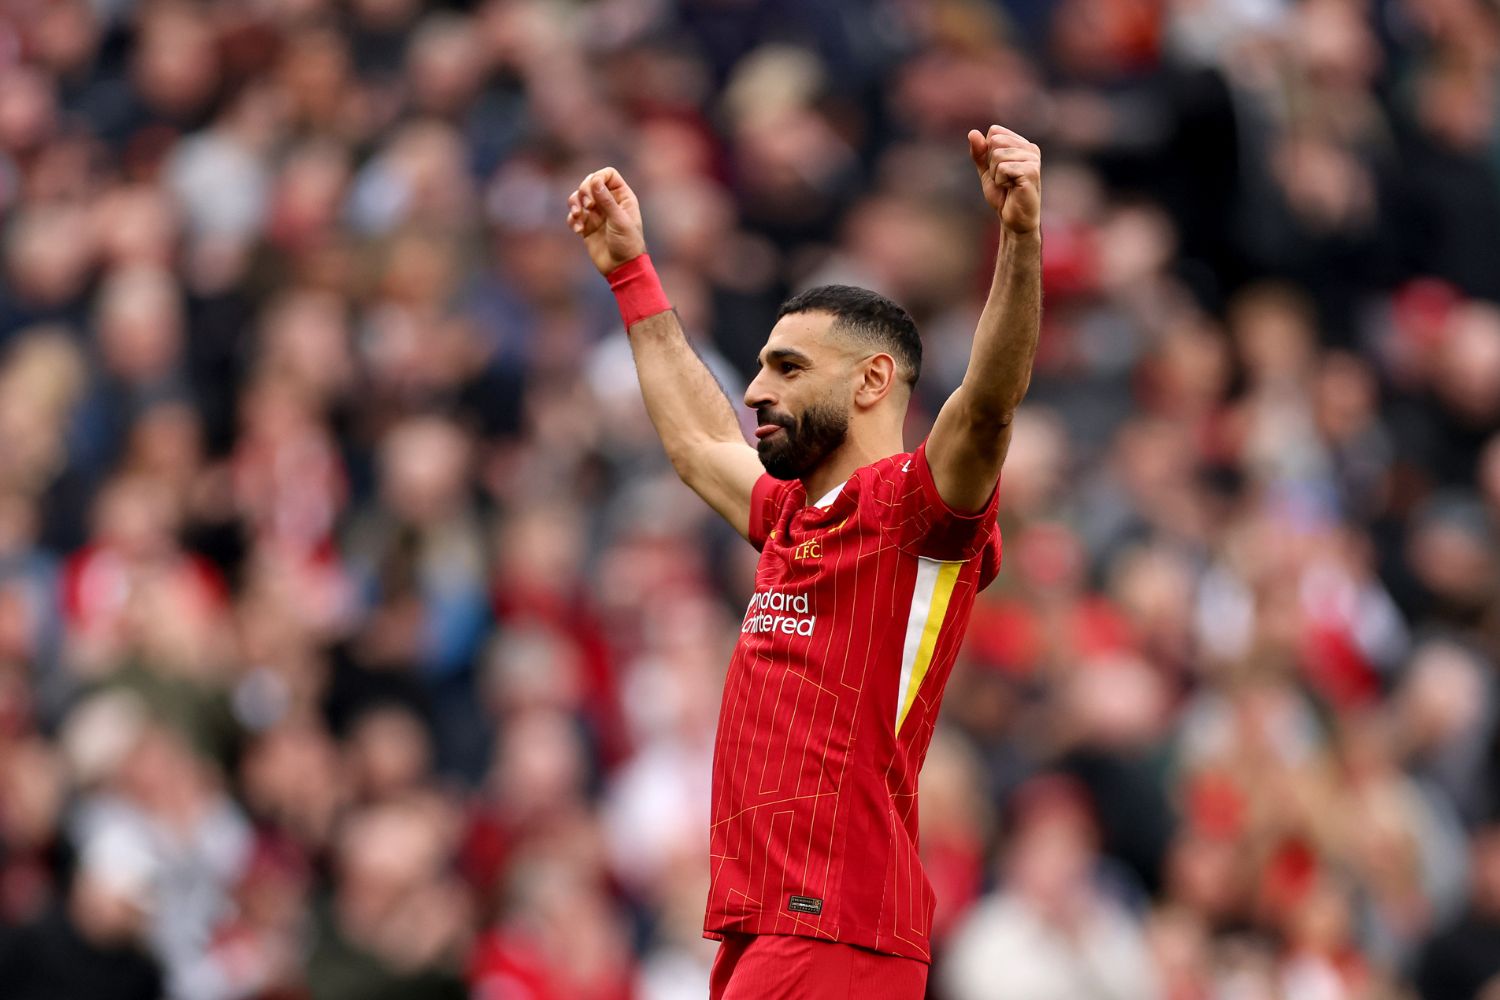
<point>870,558</point>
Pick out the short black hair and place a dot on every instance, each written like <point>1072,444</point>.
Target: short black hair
<point>869,316</point>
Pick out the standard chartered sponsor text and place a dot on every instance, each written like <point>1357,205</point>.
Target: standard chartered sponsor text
<point>779,611</point>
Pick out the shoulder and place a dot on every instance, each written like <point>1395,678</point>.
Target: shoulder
<point>886,479</point>
<point>928,525</point>
<point>769,499</point>
<point>771,493</point>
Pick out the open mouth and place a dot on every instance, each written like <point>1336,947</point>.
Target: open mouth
<point>766,430</point>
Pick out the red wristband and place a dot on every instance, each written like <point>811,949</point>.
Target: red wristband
<point>638,290</point>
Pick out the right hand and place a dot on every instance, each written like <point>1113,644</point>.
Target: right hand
<point>605,213</point>
<point>1010,172</point>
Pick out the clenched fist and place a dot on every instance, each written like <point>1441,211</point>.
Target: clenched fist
<point>1010,171</point>
<point>605,213</point>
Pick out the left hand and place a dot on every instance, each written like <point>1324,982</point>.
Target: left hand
<point>1010,172</point>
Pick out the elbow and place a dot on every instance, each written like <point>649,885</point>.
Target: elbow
<point>990,420</point>
<point>687,456</point>
<point>987,432</point>
<point>681,457</point>
<point>992,411</point>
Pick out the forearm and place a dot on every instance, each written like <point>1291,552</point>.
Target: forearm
<point>1005,341</point>
<point>971,435</point>
<point>691,414</point>
<point>686,403</point>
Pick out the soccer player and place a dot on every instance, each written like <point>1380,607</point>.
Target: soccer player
<point>870,558</point>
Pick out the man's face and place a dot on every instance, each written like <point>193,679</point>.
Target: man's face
<point>802,395</point>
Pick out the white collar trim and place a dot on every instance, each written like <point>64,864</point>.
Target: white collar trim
<point>830,496</point>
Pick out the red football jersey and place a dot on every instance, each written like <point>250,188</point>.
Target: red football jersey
<point>860,605</point>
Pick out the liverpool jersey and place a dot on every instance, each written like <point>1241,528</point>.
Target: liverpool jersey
<point>860,603</point>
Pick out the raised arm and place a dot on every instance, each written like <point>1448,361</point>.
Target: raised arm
<point>969,439</point>
<point>691,414</point>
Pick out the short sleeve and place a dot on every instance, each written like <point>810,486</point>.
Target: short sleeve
<point>766,500</point>
<point>929,527</point>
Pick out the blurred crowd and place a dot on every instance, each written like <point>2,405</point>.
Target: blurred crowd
<point>357,642</point>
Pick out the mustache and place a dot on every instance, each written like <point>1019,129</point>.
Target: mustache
<point>768,416</point>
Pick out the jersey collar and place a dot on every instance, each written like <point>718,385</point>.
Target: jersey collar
<point>830,497</point>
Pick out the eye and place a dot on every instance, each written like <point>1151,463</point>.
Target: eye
<point>787,368</point>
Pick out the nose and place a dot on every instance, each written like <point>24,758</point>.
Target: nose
<point>757,394</point>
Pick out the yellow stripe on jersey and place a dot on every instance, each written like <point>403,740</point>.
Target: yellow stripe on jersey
<point>929,606</point>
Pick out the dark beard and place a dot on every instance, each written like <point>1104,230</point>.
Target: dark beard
<point>804,442</point>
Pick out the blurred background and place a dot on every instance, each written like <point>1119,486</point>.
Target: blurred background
<point>356,640</point>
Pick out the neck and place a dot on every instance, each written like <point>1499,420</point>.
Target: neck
<point>856,452</point>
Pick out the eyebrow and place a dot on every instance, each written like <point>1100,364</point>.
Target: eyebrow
<point>785,354</point>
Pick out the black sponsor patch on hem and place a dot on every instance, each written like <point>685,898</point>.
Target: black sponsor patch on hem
<point>805,904</point>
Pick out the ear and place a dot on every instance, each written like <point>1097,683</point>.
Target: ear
<point>877,377</point>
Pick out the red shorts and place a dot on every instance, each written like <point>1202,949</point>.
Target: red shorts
<point>788,967</point>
